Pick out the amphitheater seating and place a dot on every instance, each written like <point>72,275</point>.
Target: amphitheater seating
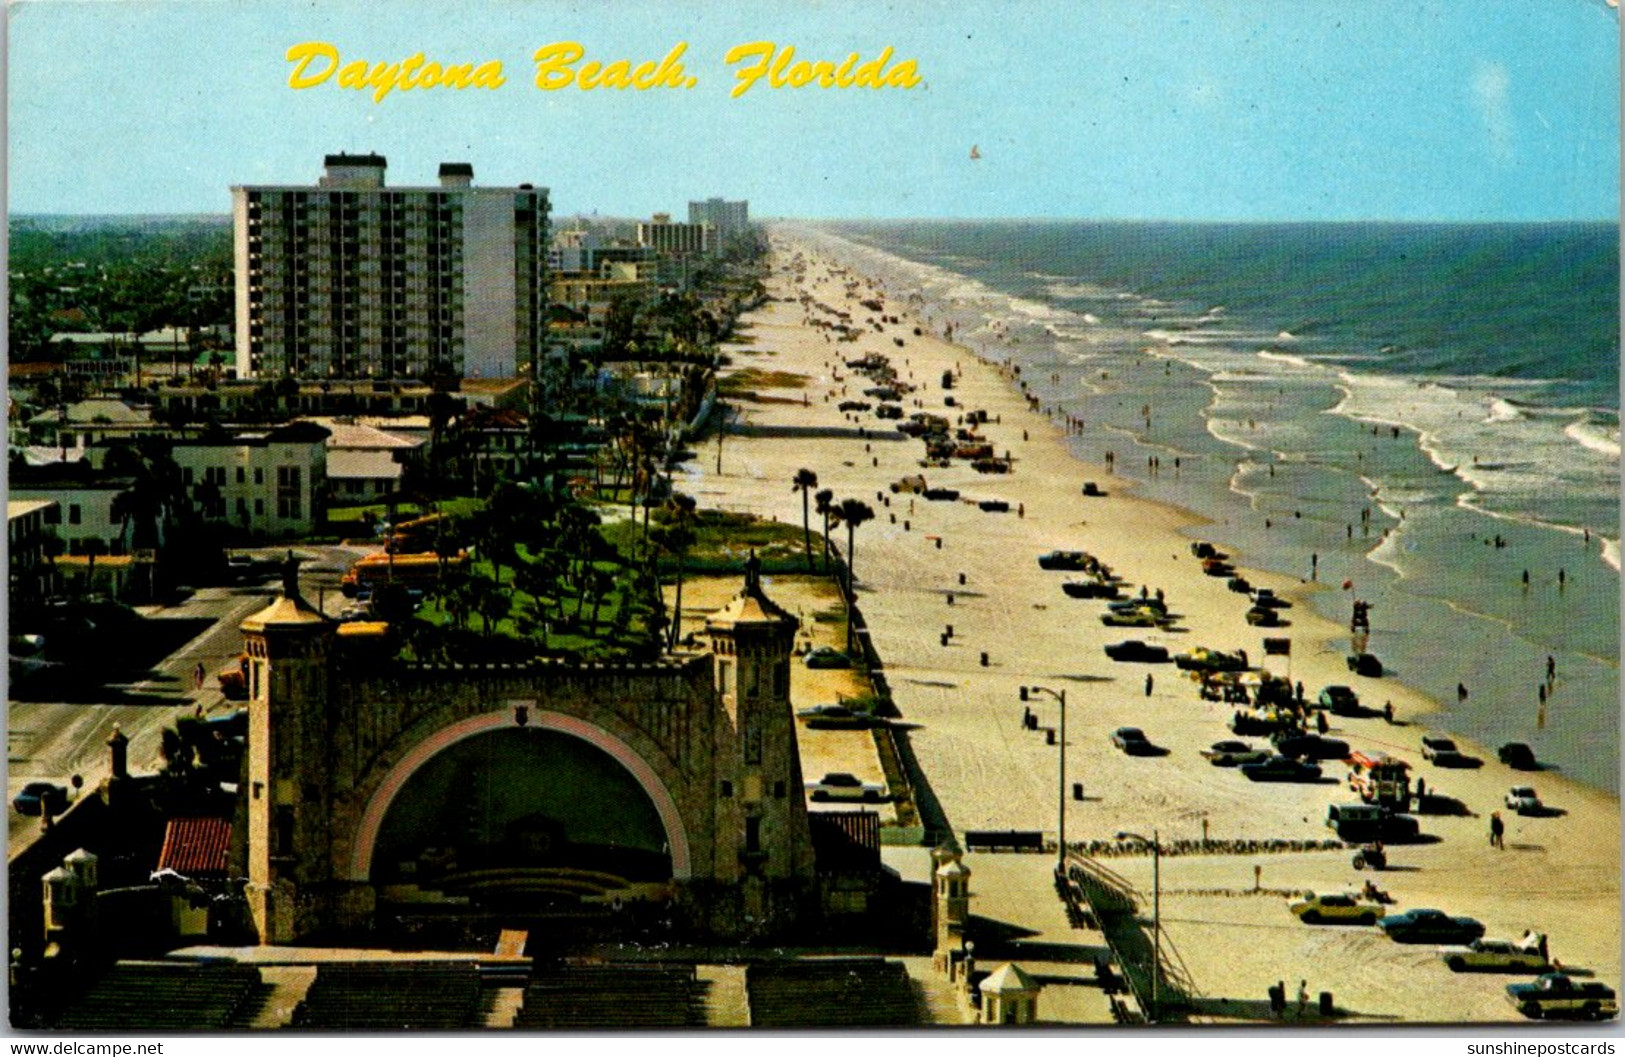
<point>392,996</point>
<point>162,997</point>
<point>626,996</point>
<point>837,992</point>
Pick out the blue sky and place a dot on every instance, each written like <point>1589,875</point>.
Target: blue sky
<point>1218,109</point>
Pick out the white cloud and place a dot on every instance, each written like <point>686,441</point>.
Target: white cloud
<point>1490,82</point>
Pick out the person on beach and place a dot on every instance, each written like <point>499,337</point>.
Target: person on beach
<point>198,675</point>
<point>1388,712</point>
<point>1303,997</point>
<point>1148,682</point>
<point>1498,831</point>
<point>1461,693</point>
<point>1421,791</point>
<point>1278,1000</point>
<point>1551,669</point>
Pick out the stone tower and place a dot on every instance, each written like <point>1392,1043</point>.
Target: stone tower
<point>764,857</point>
<point>287,646</point>
<point>950,901</point>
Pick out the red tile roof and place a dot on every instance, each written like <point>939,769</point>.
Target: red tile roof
<point>196,847</point>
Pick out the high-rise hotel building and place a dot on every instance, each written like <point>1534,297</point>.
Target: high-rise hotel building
<point>353,279</point>
<point>728,219</point>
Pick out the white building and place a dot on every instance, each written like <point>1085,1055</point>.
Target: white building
<point>267,484</point>
<point>667,237</point>
<point>728,219</point>
<point>353,279</point>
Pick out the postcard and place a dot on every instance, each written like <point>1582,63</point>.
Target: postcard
<point>534,516</point>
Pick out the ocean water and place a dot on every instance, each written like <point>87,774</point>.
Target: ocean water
<point>1428,413</point>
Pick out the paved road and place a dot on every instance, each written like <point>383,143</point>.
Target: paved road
<point>56,740</point>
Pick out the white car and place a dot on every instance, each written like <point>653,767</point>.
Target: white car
<point>1499,955</point>
<point>1235,753</point>
<point>839,785</point>
<point>1522,799</point>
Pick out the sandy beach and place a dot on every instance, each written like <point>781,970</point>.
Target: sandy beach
<point>924,566</point>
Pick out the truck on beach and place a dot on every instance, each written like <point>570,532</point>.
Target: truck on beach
<point>1560,995</point>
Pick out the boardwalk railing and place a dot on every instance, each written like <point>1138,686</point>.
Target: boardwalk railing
<point>1115,904</point>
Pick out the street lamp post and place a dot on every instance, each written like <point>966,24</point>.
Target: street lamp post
<point>1060,753</point>
<point>1156,917</point>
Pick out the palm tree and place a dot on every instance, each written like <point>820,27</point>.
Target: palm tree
<point>825,499</point>
<point>675,537</point>
<point>854,512</point>
<point>805,481</point>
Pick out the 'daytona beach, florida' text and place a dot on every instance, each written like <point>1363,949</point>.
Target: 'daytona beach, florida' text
<point>565,64</point>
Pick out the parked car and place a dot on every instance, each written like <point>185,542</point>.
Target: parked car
<point>913,484</point>
<point>34,797</point>
<point>1066,561</point>
<point>1263,617</point>
<point>826,657</point>
<point>1133,741</point>
<point>1240,585</point>
<point>1281,769</point>
<point>1559,995</point>
<point>1518,756</point>
<point>1134,618</point>
<point>1312,747</point>
<point>1266,597</point>
<point>941,494</point>
<point>838,785</point>
<point>832,717</point>
<point>1339,701</point>
<point>1092,489</point>
<point>1441,751</point>
<point>1092,587</point>
<point>853,405</point>
<point>889,411</point>
<point>1365,664</point>
<point>1234,754</point>
<point>994,506</point>
<point>1522,799</point>
<point>1135,650</point>
<point>1202,659</point>
<point>1430,926</point>
<point>1340,908</point>
<point>1527,955</point>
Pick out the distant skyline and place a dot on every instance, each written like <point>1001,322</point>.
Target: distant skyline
<point>1218,110</point>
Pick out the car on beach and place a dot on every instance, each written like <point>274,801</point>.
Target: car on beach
<point>1527,955</point>
<point>1339,701</point>
<point>1064,561</point>
<point>1133,741</point>
<point>1311,747</point>
<point>1093,587</point>
<point>941,494</point>
<point>1518,756</point>
<point>1202,549</point>
<point>994,506</point>
<point>35,797</point>
<point>1425,925</point>
<point>853,405</point>
<point>1234,753</point>
<point>832,717</point>
<point>1155,605</point>
<point>1135,650</point>
<point>1337,908</point>
<point>1365,664</point>
<point>1281,769</point>
<point>1202,659</point>
<point>1442,752</point>
<point>1523,800</point>
<point>889,411</point>
<point>1133,618</point>
<point>1092,490</point>
<point>1558,995</point>
<point>912,484</point>
<point>1258,616</point>
<point>838,785</point>
<point>1266,597</point>
<point>1240,585</point>
<point>826,657</point>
